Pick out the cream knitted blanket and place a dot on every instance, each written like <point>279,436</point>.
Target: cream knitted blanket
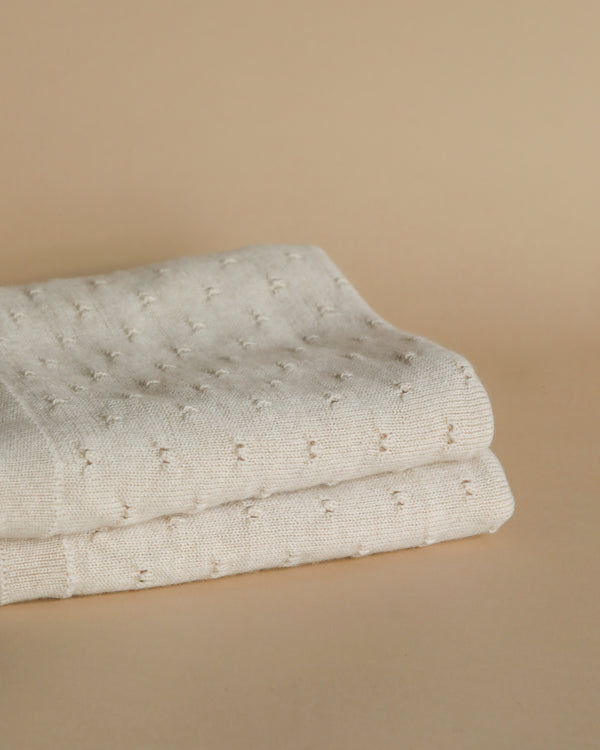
<point>220,414</point>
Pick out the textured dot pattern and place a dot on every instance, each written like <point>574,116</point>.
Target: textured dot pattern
<point>179,386</point>
<point>412,508</point>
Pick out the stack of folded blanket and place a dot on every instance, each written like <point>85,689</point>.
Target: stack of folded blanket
<point>225,413</point>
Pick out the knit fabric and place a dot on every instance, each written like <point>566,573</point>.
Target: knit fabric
<point>188,419</point>
<point>385,512</point>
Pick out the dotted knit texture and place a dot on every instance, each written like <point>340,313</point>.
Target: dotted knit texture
<point>389,511</point>
<point>179,386</point>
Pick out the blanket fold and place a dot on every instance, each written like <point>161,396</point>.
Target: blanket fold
<point>224,413</point>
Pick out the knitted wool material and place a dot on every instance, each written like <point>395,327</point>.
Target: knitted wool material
<point>416,507</point>
<point>189,389</point>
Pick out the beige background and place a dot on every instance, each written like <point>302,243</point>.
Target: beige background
<point>446,155</point>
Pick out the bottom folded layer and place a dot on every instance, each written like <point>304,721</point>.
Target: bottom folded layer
<point>381,513</point>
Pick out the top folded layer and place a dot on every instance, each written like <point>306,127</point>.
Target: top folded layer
<point>181,385</point>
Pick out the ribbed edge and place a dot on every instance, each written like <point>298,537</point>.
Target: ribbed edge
<point>31,481</point>
<point>33,569</point>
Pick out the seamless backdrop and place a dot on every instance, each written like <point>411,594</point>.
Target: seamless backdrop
<point>446,156</point>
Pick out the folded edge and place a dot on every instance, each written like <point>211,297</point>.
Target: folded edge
<point>416,507</point>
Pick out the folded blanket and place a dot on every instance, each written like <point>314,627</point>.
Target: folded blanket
<point>148,414</point>
<point>388,511</point>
